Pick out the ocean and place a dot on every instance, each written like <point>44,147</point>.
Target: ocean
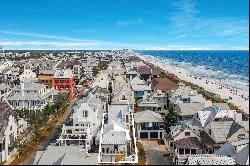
<point>231,67</point>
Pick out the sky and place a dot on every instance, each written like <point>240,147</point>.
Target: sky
<point>132,24</point>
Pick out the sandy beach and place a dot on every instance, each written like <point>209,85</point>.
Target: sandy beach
<point>236,96</point>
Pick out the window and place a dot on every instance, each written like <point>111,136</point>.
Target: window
<point>181,151</point>
<point>187,151</point>
<point>148,124</point>
<point>187,133</point>
<point>61,81</point>
<point>76,124</point>
<point>85,114</point>
<point>241,135</point>
<point>171,144</point>
<point>116,147</point>
<point>123,97</point>
<point>56,81</point>
<point>209,131</point>
<point>193,151</point>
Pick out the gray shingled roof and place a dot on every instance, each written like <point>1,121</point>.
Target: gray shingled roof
<point>65,155</point>
<point>190,108</point>
<point>242,158</point>
<point>30,86</point>
<point>147,116</point>
<point>31,96</point>
<point>222,130</point>
<point>226,150</point>
<point>5,112</point>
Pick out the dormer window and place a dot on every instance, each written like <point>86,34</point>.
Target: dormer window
<point>123,97</point>
<point>187,133</point>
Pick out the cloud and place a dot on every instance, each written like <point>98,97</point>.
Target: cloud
<point>20,43</point>
<point>43,36</point>
<point>186,20</point>
<point>106,45</point>
<point>130,22</point>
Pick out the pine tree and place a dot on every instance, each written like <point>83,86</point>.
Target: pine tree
<point>171,118</point>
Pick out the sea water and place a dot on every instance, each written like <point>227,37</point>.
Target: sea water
<point>231,67</point>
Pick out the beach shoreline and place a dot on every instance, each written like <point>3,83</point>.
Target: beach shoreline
<point>238,97</point>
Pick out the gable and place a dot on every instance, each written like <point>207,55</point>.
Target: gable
<point>181,135</point>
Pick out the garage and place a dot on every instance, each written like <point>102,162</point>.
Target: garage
<point>143,135</point>
<point>153,134</point>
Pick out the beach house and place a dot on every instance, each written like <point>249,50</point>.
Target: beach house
<point>165,87</point>
<point>149,125</point>
<point>119,83</point>
<point>46,77</point>
<point>123,97</point>
<point>85,121</point>
<point>144,72</point>
<point>116,139</point>
<point>140,87</point>
<point>27,75</point>
<point>63,80</point>
<point>8,131</point>
<point>102,80</point>
<point>30,96</point>
<point>88,71</point>
<point>147,103</point>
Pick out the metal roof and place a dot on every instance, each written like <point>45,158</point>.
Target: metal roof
<point>114,138</point>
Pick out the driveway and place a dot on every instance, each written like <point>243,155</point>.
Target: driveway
<point>154,153</point>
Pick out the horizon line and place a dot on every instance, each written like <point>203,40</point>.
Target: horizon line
<point>128,49</point>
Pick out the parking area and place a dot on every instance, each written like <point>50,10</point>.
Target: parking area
<point>155,153</point>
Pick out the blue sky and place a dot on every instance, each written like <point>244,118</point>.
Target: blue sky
<point>116,24</point>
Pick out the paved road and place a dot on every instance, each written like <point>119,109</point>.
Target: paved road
<point>154,156</point>
<point>52,132</point>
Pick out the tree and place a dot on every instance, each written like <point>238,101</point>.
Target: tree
<point>60,101</point>
<point>22,149</point>
<point>171,118</point>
